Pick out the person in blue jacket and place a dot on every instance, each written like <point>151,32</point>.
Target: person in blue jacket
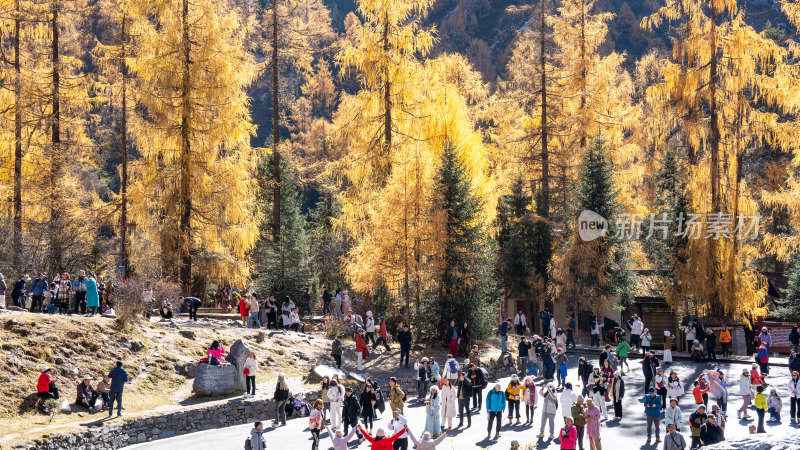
<point>495,405</point>
<point>652,409</point>
<point>118,377</point>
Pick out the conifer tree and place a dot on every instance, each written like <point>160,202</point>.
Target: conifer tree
<point>459,281</point>
<point>192,194</point>
<point>327,245</point>
<point>592,274</point>
<point>281,267</point>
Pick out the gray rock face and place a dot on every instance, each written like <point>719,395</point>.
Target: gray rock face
<point>188,334</point>
<point>237,357</point>
<point>215,380</point>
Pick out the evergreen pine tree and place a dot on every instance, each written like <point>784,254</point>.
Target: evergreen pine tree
<point>281,268</point>
<point>326,242</point>
<point>461,281</point>
<point>790,310</point>
<point>593,273</point>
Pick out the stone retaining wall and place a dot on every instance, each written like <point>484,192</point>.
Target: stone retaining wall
<point>189,420</point>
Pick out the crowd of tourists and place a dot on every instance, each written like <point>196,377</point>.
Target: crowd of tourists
<point>102,396</point>
<point>62,294</point>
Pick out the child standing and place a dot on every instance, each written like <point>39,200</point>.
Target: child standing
<point>774,406</point>
<point>761,408</point>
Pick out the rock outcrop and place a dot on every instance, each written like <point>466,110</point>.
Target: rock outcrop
<point>237,356</point>
<point>215,380</point>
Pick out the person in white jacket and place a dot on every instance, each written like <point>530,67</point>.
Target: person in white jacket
<point>636,333</point>
<point>448,403</point>
<point>336,396</point>
<point>520,324</point>
<point>249,369</point>
<point>369,327</point>
<point>568,398</point>
<point>794,397</point>
<point>746,393</point>
<point>451,369</point>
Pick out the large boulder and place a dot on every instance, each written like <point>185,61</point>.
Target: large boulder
<point>215,380</point>
<point>237,356</point>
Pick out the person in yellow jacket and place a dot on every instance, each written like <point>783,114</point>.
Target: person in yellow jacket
<point>513,396</point>
<point>761,407</point>
<point>725,340</point>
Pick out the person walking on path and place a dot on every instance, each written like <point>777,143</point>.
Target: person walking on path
<point>549,409</point>
<point>674,440</point>
<point>426,441</point>
<point>572,326</point>
<point>529,398</point>
<point>568,435</point>
<point>567,399</point>
<point>118,377</point>
<point>351,410</point>
<point>652,409</point>
<point>622,351</point>
<point>463,395</point>
<point>561,364</point>
<point>637,327</point>
<point>495,405</point>
<point>448,402</point>
<point>362,352</point>
<point>579,418</point>
<point>382,334</point>
<point>593,425</point>
<point>794,398</point>
<point>617,394</point>
<point>336,351</point>
<point>404,338</point>
<point>745,390</point>
<point>316,423</point>
<point>281,396</point>
<point>696,420</point>
<point>673,414</point>
<point>450,369</point>
<point>584,370</point>
<point>452,337</point>
<point>396,396</point>
<point>649,368</point>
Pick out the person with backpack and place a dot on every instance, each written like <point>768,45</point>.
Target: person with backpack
<point>762,359</point>
<point>495,405</point>
<point>256,440</point>
<point>397,397</point>
<point>450,369</point>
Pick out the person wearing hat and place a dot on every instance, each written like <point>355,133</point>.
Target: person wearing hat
<point>674,440</point>
<point>118,377</point>
<point>338,438</point>
<point>746,391</point>
<point>86,393</point>
<point>381,442</point>
<point>513,396</point>
<point>423,378</point>
<point>351,410</point>
<point>362,352</point>
<point>514,445</point>
<point>696,351</point>
<point>433,421</point>
<point>696,420</point>
<point>578,413</point>
<point>652,409</point>
<point>495,405</point>
<point>46,385</point>
<point>568,435</point>
<point>794,397</point>
<point>38,288</point>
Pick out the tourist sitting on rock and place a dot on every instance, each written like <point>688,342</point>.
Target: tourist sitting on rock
<point>87,396</point>
<point>46,386</point>
<point>165,311</point>
<point>215,354</point>
<point>296,324</point>
<point>104,389</point>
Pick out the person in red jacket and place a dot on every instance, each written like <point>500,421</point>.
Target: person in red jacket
<point>568,435</point>
<point>46,386</point>
<point>382,336</point>
<point>380,441</point>
<point>362,352</point>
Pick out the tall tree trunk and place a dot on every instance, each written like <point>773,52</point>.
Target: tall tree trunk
<point>543,205</point>
<point>16,246</point>
<point>276,129</point>
<point>123,190</point>
<point>387,105</point>
<point>583,77</point>
<point>56,157</point>
<point>406,295</point>
<point>717,307</point>
<point>184,233</point>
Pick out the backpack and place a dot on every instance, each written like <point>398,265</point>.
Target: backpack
<point>249,445</point>
<point>404,393</point>
<point>453,367</point>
